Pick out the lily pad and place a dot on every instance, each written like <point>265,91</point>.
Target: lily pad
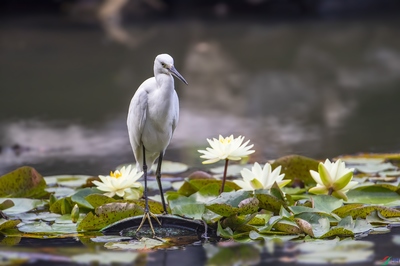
<point>227,204</point>
<point>80,197</point>
<point>187,207</point>
<point>72,181</point>
<point>22,205</point>
<point>372,195</point>
<point>364,211</point>
<point>24,182</point>
<point>297,168</point>
<point>8,224</point>
<point>233,169</point>
<point>375,168</point>
<point>108,214</point>
<point>269,202</point>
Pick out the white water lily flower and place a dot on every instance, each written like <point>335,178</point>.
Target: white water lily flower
<point>122,183</point>
<point>261,178</point>
<point>333,178</point>
<point>228,148</point>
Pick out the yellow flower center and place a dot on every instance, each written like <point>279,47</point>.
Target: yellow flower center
<point>115,174</point>
<point>225,140</point>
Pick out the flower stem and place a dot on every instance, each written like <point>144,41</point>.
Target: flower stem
<point>330,191</point>
<point>224,177</point>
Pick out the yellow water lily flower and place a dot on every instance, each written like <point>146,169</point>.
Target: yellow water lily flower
<point>261,178</point>
<point>333,179</point>
<point>228,148</point>
<point>122,183</point>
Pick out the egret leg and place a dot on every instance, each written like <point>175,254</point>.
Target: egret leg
<point>158,177</point>
<point>147,214</point>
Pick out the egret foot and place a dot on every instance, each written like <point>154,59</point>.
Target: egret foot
<point>148,215</point>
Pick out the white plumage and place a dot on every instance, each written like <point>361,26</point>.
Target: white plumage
<point>153,116</point>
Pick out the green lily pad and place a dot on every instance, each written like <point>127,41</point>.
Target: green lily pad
<point>8,224</point>
<point>59,192</point>
<point>375,168</point>
<point>72,181</point>
<point>227,204</point>
<point>43,228</point>
<point>238,223</point>
<point>171,168</point>
<point>96,199</point>
<point>187,207</point>
<point>200,183</point>
<point>364,211</point>
<point>372,195</point>
<point>326,203</point>
<point>233,169</point>
<point>62,206</point>
<point>24,182</point>
<point>80,197</point>
<point>108,214</point>
<point>269,202</point>
<point>338,231</point>
<point>6,204</point>
<point>22,205</point>
<point>297,168</point>
<point>287,226</point>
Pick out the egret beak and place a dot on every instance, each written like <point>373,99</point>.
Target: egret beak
<point>175,72</point>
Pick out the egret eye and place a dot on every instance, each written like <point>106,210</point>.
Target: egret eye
<point>163,64</point>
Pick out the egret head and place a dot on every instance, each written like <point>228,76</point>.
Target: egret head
<point>164,63</point>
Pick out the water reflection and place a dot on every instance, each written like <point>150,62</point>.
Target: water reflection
<point>316,89</point>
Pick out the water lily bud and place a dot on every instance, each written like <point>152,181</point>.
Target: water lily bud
<point>75,213</point>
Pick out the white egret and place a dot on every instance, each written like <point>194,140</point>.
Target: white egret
<point>152,119</point>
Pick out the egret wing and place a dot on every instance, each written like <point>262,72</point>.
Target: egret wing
<point>137,118</point>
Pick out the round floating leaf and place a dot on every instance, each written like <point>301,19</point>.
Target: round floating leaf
<point>287,226</point>
<point>23,205</point>
<point>269,202</point>
<point>171,168</point>
<point>108,214</point>
<point>338,231</point>
<point>372,195</point>
<point>233,169</point>
<point>80,197</point>
<point>96,200</point>
<point>326,203</point>
<point>43,228</point>
<point>305,226</point>
<point>73,181</point>
<point>199,183</point>
<point>8,224</point>
<point>187,207</point>
<point>22,182</point>
<point>6,204</point>
<point>297,168</point>
<point>364,211</point>
<point>62,206</point>
<point>227,204</point>
<point>375,168</point>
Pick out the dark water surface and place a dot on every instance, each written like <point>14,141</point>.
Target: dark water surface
<point>316,88</point>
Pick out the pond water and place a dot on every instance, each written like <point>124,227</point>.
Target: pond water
<point>315,88</point>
